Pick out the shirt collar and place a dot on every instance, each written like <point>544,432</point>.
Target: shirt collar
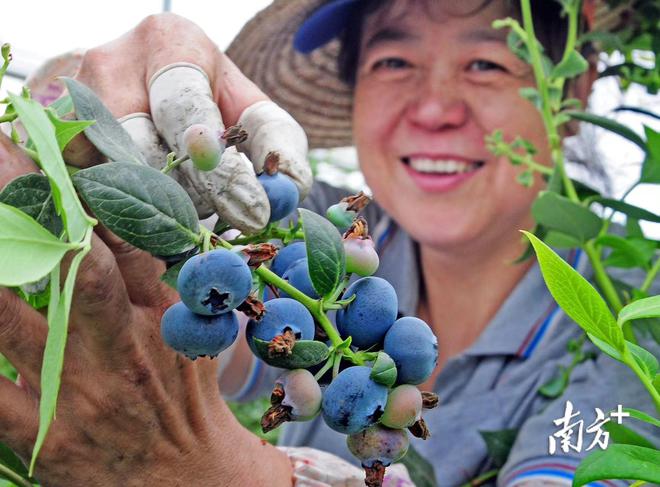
<point>525,317</point>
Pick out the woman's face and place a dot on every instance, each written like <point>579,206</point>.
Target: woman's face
<point>430,86</point>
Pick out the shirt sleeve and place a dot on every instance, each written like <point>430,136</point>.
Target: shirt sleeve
<point>550,445</point>
<point>316,468</point>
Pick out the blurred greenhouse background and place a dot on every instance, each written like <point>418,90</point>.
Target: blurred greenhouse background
<point>40,29</point>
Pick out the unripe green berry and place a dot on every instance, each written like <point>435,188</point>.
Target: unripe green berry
<point>340,216</point>
<point>203,147</point>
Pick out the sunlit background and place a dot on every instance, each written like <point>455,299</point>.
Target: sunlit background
<point>39,30</point>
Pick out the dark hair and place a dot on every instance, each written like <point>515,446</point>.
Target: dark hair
<point>549,25</point>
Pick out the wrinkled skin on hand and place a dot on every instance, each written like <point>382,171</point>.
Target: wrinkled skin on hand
<point>131,411</point>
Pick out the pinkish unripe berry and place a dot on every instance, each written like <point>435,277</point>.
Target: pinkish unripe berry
<point>403,408</point>
<point>203,146</point>
<point>361,256</point>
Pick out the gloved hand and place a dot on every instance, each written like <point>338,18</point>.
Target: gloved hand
<point>166,75</point>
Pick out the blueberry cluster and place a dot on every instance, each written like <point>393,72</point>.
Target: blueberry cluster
<point>211,286</point>
<point>359,373</point>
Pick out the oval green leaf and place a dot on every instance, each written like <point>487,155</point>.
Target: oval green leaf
<point>625,436</point>
<point>576,296</point>
<point>325,252</point>
<point>141,205</point>
<point>619,462</point>
<point>557,212</point>
<point>609,124</point>
<point>633,211</point>
<point>305,353</point>
<point>643,308</point>
<point>27,250</point>
<point>32,195</point>
<point>384,370</point>
<point>42,134</point>
<point>107,135</point>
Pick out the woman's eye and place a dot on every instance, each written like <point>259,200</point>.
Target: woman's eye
<point>390,63</point>
<point>483,65</point>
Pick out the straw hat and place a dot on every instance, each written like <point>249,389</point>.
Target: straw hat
<point>307,85</point>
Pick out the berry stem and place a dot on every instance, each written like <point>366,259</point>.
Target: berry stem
<point>325,368</point>
<point>173,163</point>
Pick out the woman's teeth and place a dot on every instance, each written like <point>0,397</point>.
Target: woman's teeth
<point>439,166</point>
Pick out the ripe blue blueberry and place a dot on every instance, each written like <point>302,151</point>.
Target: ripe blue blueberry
<point>414,349</point>
<point>215,282</point>
<point>298,276</point>
<point>282,195</point>
<point>378,444</point>
<point>197,335</point>
<point>353,401</point>
<point>287,256</point>
<point>368,317</point>
<point>280,315</point>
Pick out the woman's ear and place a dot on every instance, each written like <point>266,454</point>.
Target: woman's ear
<point>580,88</point>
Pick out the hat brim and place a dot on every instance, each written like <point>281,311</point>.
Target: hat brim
<point>306,85</point>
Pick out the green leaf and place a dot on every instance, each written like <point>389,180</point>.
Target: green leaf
<point>532,95</point>
<point>645,360</point>
<point>633,228</point>
<point>384,370</point>
<point>642,416</point>
<point>499,444</point>
<point>62,106</point>
<point>651,166</point>
<point>305,353</point>
<point>141,205</point>
<point>420,470</point>
<point>32,195</point>
<point>171,275</point>
<point>27,250</point>
<point>560,240</point>
<point>609,124</point>
<point>53,361</point>
<point>628,252</point>
<point>626,436</point>
<point>643,308</point>
<point>619,462</point>
<point>9,459</point>
<point>571,66</point>
<point>325,252</point>
<point>106,134</point>
<point>576,296</point>
<point>607,348</point>
<point>555,386</point>
<point>557,212</point>
<point>66,130</point>
<point>632,211</point>
<point>42,133</point>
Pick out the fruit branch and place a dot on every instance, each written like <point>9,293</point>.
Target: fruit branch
<point>173,163</point>
<point>314,306</point>
<point>603,280</point>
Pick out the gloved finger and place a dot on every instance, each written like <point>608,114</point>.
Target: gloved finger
<point>180,96</point>
<point>142,130</point>
<point>238,198</point>
<point>13,161</point>
<point>271,129</point>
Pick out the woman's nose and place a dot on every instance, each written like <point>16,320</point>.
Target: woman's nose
<point>437,105</point>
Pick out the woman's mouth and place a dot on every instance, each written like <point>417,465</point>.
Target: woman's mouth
<point>440,174</point>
